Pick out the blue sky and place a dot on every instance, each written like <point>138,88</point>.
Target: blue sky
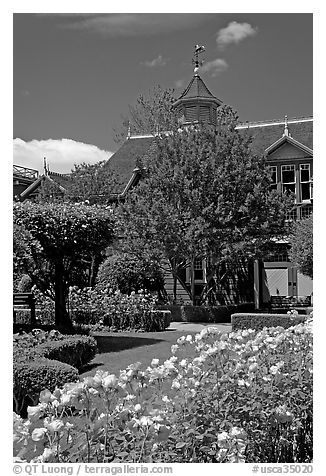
<point>75,74</point>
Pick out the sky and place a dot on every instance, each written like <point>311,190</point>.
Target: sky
<point>74,75</point>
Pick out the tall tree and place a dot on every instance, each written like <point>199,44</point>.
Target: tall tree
<point>206,196</point>
<point>301,241</point>
<point>151,112</point>
<point>91,183</point>
<point>53,242</point>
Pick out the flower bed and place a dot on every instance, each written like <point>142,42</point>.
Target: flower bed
<point>242,397</point>
<point>105,309</point>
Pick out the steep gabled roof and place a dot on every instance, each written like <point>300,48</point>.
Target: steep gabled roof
<point>60,180</point>
<point>290,140</point>
<point>125,160</point>
<point>196,88</point>
<point>264,134</point>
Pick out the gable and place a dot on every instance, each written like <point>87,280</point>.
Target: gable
<point>287,151</point>
<point>125,160</point>
<point>263,136</point>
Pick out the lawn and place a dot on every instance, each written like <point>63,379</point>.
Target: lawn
<point>118,350</point>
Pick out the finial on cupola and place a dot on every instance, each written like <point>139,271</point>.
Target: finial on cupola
<point>195,60</point>
<point>286,132</point>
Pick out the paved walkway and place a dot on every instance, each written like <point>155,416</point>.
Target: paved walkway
<point>198,326</point>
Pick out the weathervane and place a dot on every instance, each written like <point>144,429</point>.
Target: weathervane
<point>195,60</point>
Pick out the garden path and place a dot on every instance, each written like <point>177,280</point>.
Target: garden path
<point>118,350</point>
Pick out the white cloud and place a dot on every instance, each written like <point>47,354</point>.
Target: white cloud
<point>61,154</point>
<point>159,61</point>
<point>133,24</point>
<point>234,33</point>
<point>215,67</point>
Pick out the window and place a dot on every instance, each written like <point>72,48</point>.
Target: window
<point>273,170</point>
<point>199,269</point>
<point>305,182</point>
<point>306,211</point>
<point>288,178</point>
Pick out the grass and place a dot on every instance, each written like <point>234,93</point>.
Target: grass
<point>118,350</point>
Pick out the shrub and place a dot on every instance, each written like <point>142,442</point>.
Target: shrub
<point>85,305</point>
<point>132,312</point>
<point>242,397</point>
<point>259,321</point>
<point>50,356</point>
<point>73,350</point>
<point>216,314</point>
<point>112,309</point>
<point>32,376</point>
<point>126,274</point>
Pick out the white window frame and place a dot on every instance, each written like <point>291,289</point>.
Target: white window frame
<point>305,167</point>
<point>273,168</point>
<point>288,168</point>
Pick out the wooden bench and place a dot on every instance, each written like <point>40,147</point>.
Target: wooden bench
<point>23,301</point>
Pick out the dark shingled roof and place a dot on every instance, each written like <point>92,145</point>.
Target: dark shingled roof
<point>124,161</point>
<point>264,136</point>
<point>196,88</point>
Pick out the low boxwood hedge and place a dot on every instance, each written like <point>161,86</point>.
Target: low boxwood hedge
<point>213,314</point>
<point>73,350</point>
<point>45,360</point>
<point>259,320</point>
<point>31,377</point>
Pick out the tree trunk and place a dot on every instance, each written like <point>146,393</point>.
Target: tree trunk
<point>192,281</point>
<point>62,319</point>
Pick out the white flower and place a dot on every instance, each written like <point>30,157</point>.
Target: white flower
<point>145,421</point>
<point>189,338</point>
<point>130,397</point>
<point>38,434</point>
<point>183,363</point>
<point>110,381</point>
<point>181,340</point>
<point>137,407</point>
<point>174,348</point>
<point>155,362</point>
<point>35,412</point>
<point>55,425</point>
<point>175,384</point>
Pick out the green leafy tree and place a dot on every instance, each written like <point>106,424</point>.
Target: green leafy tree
<point>91,183</point>
<point>206,195</point>
<point>150,113</point>
<point>127,273</point>
<point>54,242</point>
<point>301,241</point>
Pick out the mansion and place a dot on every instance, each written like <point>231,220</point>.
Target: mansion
<point>287,144</point>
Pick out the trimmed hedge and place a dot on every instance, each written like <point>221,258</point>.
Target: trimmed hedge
<point>45,361</point>
<point>161,319</point>
<point>214,314</point>
<point>74,350</point>
<point>31,377</point>
<point>259,321</point>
